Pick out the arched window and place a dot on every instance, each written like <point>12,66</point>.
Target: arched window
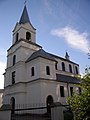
<point>17,36</point>
<point>13,77</point>
<point>14,60</point>
<point>47,70</point>
<point>76,70</point>
<point>12,104</point>
<point>62,91</point>
<point>63,66</point>
<point>32,71</point>
<point>70,68</point>
<point>71,91</point>
<point>28,35</point>
<point>56,66</point>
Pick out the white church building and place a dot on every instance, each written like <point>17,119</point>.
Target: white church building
<point>34,76</point>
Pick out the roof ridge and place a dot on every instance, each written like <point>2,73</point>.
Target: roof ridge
<point>40,53</point>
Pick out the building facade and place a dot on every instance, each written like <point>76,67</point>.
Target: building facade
<point>1,97</point>
<point>33,75</point>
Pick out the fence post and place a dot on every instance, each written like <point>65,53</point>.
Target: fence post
<point>57,111</point>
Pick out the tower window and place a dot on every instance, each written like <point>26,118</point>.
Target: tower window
<point>56,66</point>
<point>14,60</point>
<point>13,77</point>
<point>47,70</point>
<point>76,70</point>
<point>63,66</point>
<point>70,68</point>
<point>62,91</point>
<point>71,91</point>
<point>32,71</point>
<point>17,35</point>
<point>28,35</point>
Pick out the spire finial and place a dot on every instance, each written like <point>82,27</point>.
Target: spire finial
<point>25,2</point>
<point>67,56</point>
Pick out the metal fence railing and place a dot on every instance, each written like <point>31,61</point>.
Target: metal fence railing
<point>30,112</point>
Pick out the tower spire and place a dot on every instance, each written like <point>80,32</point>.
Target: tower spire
<point>24,17</point>
<point>67,56</point>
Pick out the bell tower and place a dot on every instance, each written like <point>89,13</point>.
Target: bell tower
<point>23,45</point>
<point>24,40</point>
<point>24,29</point>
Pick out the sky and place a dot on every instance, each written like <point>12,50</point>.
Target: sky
<point>61,25</point>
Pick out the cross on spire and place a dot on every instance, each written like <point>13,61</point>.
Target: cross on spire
<point>25,2</point>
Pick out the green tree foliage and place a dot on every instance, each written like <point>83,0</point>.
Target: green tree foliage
<point>80,103</point>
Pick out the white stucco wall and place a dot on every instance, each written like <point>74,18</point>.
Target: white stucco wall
<point>22,29</point>
<point>39,65</point>
<point>1,99</point>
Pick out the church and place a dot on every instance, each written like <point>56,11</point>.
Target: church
<point>33,75</point>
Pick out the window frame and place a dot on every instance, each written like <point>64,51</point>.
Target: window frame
<point>17,37</point>
<point>63,66</point>
<point>76,70</point>
<point>56,65</point>
<point>70,68</point>
<point>14,59</point>
<point>13,77</point>
<point>62,92</point>
<point>71,91</point>
<point>28,35</point>
<point>32,71</point>
<point>47,70</point>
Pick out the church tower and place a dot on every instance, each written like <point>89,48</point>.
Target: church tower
<point>24,29</point>
<point>23,45</point>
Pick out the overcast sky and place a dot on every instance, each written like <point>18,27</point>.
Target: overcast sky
<point>62,25</point>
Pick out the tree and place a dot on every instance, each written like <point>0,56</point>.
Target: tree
<point>80,103</point>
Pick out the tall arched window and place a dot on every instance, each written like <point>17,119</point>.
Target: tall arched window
<point>14,59</point>
<point>17,36</point>
<point>13,77</point>
<point>76,70</point>
<point>47,70</point>
<point>63,66</point>
<point>56,66</point>
<point>12,104</point>
<point>28,35</point>
<point>62,91</point>
<point>32,71</point>
<point>70,68</point>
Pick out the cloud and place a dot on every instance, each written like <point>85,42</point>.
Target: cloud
<point>2,70</point>
<point>74,38</point>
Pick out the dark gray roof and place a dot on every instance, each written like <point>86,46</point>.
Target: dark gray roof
<point>68,79</point>
<point>58,57</point>
<point>40,53</point>
<point>24,18</point>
